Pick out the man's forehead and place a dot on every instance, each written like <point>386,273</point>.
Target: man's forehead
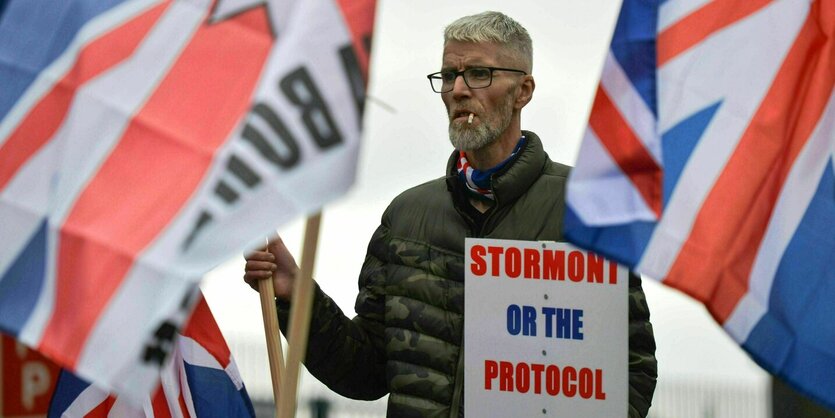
<point>458,53</point>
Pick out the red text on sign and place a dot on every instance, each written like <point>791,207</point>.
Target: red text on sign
<point>566,381</point>
<point>545,264</point>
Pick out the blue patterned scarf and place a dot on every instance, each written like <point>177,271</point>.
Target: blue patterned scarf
<point>478,181</point>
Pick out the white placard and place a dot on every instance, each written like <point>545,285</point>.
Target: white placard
<point>546,331</point>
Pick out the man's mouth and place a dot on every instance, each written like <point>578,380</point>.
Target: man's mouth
<point>464,116</point>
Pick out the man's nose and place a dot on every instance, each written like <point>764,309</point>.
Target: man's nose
<point>460,88</point>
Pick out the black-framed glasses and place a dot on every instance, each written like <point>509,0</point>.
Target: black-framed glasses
<point>474,78</point>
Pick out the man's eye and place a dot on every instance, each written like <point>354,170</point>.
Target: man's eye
<point>448,77</point>
<point>479,73</point>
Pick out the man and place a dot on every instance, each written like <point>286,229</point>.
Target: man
<point>407,337</point>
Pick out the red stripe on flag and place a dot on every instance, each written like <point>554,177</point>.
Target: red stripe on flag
<point>627,150</point>
<point>153,171</point>
<point>181,400</point>
<point>702,23</point>
<point>160,405</point>
<point>716,261</point>
<point>103,409</point>
<point>203,329</point>
<point>359,15</point>
<point>44,119</point>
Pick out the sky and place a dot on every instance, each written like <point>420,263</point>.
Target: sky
<point>405,143</point>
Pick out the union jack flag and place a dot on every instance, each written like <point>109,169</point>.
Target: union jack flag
<point>708,164</point>
<point>143,142</point>
<point>199,380</point>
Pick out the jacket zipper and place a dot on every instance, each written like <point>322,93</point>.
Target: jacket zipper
<point>455,408</point>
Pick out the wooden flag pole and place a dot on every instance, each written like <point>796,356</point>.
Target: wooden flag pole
<point>273,334</point>
<point>299,318</point>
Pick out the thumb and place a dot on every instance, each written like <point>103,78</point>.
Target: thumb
<point>282,255</point>
<point>275,245</point>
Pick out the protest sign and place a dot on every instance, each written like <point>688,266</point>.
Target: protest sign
<point>545,331</point>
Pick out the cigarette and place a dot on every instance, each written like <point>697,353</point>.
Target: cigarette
<point>470,119</point>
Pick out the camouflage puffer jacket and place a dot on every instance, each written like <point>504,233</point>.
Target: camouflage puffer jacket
<point>407,339</point>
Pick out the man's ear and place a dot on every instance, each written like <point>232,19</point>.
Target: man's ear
<point>525,92</point>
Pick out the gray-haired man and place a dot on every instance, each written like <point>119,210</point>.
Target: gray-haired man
<point>407,337</point>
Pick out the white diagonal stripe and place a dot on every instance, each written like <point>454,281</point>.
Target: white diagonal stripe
<point>672,11</point>
<point>87,400</point>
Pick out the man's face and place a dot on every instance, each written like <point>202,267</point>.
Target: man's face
<point>492,106</point>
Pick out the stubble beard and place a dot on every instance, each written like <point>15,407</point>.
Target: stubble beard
<point>466,137</point>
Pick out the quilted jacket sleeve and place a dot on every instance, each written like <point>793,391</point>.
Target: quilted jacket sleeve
<point>348,355</point>
<point>643,367</point>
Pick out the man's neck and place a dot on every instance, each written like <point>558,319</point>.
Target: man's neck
<point>493,154</point>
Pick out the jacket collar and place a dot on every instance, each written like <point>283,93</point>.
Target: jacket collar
<point>515,178</point>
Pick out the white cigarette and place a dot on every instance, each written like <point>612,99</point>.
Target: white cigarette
<point>470,119</point>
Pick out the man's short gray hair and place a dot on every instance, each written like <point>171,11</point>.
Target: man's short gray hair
<point>493,27</point>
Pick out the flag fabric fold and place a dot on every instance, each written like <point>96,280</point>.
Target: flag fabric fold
<point>708,164</point>
<point>143,142</point>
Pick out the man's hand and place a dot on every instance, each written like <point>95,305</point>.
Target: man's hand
<point>272,261</point>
